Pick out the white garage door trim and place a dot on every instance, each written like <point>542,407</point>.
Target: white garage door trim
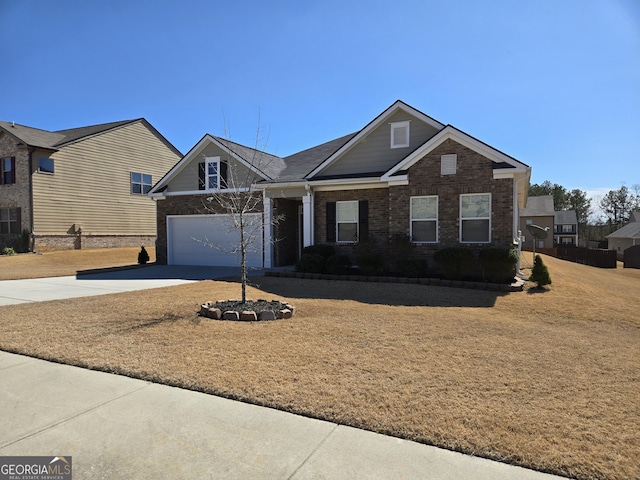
<point>190,240</point>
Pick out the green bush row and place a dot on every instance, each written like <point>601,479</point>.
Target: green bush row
<point>497,264</point>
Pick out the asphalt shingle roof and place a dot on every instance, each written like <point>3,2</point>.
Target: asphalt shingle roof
<point>565,217</point>
<point>270,165</point>
<point>35,137</point>
<point>538,207</point>
<point>631,230</point>
<point>302,163</point>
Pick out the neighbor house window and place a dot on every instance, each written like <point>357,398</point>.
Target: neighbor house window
<point>448,164</point>
<point>347,221</point>
<point>567,228</point>
<point>7,170</point>
<point>9,220</point>
<point>424,219</point>
<point>140,183</point>
<point>400,134</point>
<point>567,241</point>
<point>475,218</point>
<point>45,165</point>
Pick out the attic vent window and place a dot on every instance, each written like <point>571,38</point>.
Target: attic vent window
<point>448,164</point>
<point>400,134</point>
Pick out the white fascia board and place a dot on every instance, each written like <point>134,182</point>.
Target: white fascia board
<point>462,138</point>
<point>201,192</point>
<point>375,123</point>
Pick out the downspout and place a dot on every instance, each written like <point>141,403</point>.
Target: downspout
<point>32,234</point>
<point>516,221</point>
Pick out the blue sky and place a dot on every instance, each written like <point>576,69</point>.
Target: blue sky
<point>555,84</point>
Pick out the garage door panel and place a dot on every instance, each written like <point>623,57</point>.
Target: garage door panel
<point>211,240</point>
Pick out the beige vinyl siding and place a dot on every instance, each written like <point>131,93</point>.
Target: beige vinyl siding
<point>187,179</point>
<point>374,152</point>
<point>91,184</point>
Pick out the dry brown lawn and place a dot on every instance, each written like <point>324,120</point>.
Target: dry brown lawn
<point>548,380</point>
<point>63,263</point>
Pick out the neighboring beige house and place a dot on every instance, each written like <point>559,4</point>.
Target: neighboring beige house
<point>83,187</point>
<point>627,236</point>
<point>539,211</point>
<point>402,175</point>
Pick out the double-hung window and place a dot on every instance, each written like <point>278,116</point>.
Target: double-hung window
<point>9,220</point>
<point>424,219</point>
<point>475,218</point>
<point>212,173</point>
<point>347,221</point>
<point>140,183</point>
<point>7,170</point>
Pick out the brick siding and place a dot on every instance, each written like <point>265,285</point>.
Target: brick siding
<point>182,205</point>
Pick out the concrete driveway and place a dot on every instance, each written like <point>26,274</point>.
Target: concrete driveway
<point>108,281</point>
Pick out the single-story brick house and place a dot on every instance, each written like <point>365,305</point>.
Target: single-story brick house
<point>404,173</point>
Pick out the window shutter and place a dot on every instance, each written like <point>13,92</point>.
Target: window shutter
<point>363,219</point>
<point>331,222</point>
<point>13,171</point>
<point>223,175</point>
<point>201,176</point>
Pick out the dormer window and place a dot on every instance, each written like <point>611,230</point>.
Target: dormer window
<point>400,134</point>
<point>212,173</point>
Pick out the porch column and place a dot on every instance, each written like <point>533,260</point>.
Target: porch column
<point>267,230</point>
<point>307,220</point>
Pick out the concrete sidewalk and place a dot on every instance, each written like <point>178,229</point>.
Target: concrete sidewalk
<point>109,281</point>
<point>116,427</point>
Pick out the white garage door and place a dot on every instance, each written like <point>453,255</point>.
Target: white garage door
<point>209,239</point>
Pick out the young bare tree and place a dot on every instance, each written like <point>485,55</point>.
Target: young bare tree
<point>234,191</point>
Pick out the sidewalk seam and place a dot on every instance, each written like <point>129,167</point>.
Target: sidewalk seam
<point>48,427</point>
<point>322,442</point>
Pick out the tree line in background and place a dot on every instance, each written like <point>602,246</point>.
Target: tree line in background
<point>616,206</point>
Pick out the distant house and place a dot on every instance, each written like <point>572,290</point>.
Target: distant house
<point>561,224</point>
<point>83,187</point>
<point>627,236</point>
<point>565,227</point>
<point>402,175</point>
<point>539,211</point>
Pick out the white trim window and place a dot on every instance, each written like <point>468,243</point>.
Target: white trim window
<point>400,134</point>
<point>424,219</point>
<point>140,183</point>
<point>212,173</point>
<point>347,221</point>
<point>475,218</point>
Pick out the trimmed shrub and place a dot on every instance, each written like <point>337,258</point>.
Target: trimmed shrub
<point>143,256</point>
<point>25,241</point>
<point>369,259</point>
<point>311,263</point>
<point>325,251</point>
<point>540,273</point>
<point>8,251</point>
<point>455,263</point>
<point>498,264</point>
<point>338,265</point>
<point>412,267</point>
